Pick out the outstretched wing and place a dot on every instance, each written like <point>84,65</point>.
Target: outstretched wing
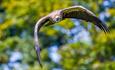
<point>82,13</point>
<point>38,25</point>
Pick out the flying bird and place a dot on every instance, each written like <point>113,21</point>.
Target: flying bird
<point>77,12</point>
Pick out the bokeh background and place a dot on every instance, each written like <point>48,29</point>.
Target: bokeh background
<point>71,44</point>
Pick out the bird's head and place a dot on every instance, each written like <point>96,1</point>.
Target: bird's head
<point>56,16</point>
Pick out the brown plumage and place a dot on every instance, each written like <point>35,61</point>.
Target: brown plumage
<point>77,12</point>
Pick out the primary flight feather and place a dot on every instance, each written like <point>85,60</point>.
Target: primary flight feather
<point>77,12</point>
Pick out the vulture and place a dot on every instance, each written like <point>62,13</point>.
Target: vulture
<point>76,12</point>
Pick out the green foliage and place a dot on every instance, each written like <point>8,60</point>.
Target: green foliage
<point>16,32</point>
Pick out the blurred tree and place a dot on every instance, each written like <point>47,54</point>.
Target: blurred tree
<point>17,20</point>
<point>99,55</point>
<point>16,27</point>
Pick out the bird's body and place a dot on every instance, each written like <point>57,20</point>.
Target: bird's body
<point>77,12</point>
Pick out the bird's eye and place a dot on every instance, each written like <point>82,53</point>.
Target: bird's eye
<point>57,19</point>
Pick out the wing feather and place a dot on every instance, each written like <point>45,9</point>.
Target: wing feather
<point>82,13</point>
<point>38,25</point>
